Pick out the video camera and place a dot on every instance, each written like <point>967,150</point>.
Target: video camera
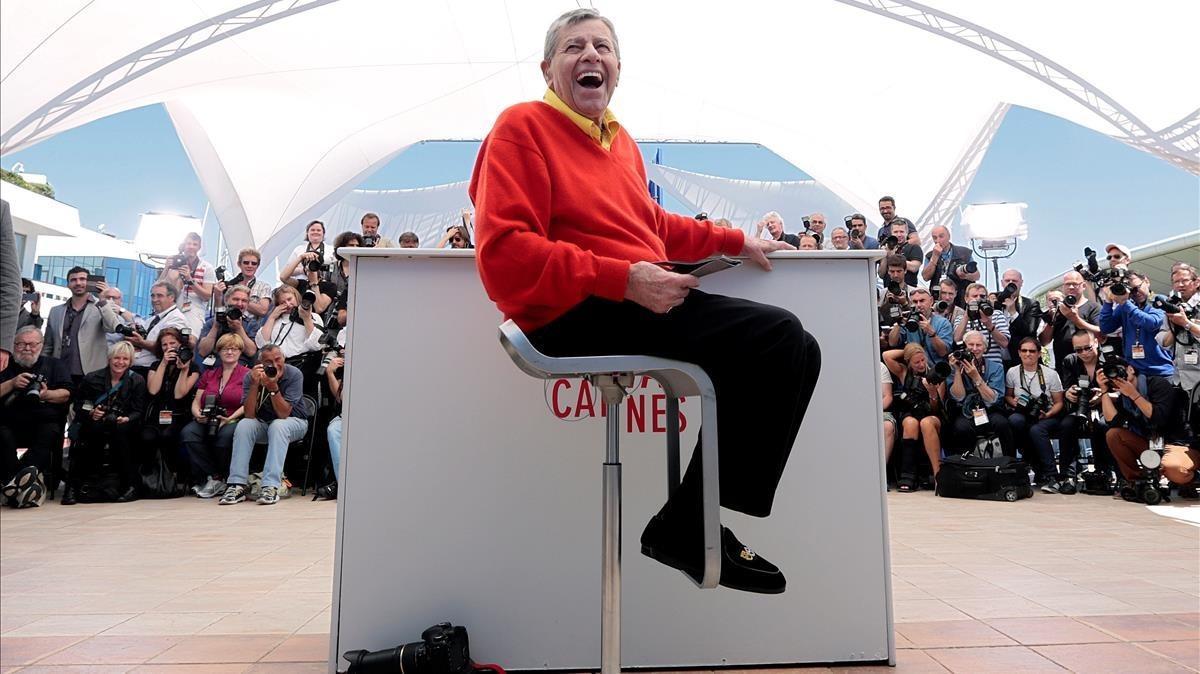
<point>443,649</point>
<point>1115,278</point>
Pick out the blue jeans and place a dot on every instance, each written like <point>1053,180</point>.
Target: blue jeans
<point>334,433</point>
<point>204,452</point>
<point>279,434</point>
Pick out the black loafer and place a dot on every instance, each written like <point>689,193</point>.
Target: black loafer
<point>741,568</point>
<point>68,496</point>
<point>129,496</point>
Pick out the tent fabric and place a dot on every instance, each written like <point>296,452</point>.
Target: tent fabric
<point>744,202</point>
<point>427,211</point>
<point>284,106</point>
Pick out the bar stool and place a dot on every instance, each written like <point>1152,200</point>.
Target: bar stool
<point>614,376</point>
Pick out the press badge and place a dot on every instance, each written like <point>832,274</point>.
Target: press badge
<point>1137,352</point>
<point>164,418</point>
<point>1191,357</point>
<point>980,415</point>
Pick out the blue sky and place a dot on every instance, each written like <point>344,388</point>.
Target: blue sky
<point>1082,188</point>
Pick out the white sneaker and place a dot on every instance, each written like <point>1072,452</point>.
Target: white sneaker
<point>234,493</point>
<point>211,488</point>
<point>270,496</point>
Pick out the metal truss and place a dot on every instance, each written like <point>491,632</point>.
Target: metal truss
<point>1179,151</point>
<point>40,124</point>
<point>943,209</point>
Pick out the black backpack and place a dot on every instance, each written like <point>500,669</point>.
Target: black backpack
<point>999,478</point>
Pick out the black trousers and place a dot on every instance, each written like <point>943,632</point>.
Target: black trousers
<point>964,432</point>
<point>1072,431</point>
<point>759,357</point>
<point>88,451</point>
<point>41,438</point>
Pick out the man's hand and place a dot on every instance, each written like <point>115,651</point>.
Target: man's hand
<point>756,249</point>
<point>1072,394</point>
<point>936,252</point>
<point>656,288</point>
<point>257,375</point>
<point>235,325</point>
<point>219,287</point>
<point>926,326</point>
<point>22,380</point>
<point>97,413</point>
<point>986,320</point>
<point>1178,318</point>
<point>1117,299</point>
<point>1126,388</point>
<point>101,286</point>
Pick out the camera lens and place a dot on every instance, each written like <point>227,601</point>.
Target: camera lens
<point>270,370</point>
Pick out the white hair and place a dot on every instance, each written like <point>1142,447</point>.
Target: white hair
<point>773,214</point>
<point>570,19</point>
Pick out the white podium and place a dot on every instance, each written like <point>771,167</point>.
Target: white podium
<point>471,492</point>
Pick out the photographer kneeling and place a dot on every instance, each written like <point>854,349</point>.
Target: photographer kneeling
<point>230,317</point>
<point>1136,407</point>
<point>1035,394</point>
<point>168,384</point>
<point>34,393</point>
<point>977,385</point>
<point>916,402</point>
<point>1081,370</point>
<point>216,407</point>
<point>109,406</point>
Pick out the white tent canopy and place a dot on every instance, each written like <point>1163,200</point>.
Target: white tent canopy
<point>425,211</point>
<point>283,106</point>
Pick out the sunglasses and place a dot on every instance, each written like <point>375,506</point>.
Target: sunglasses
<point>1082,349</point>
<point>1118,256</point>
<point>252,263</point>
<point>457,239</point>
<point>1028,351</point>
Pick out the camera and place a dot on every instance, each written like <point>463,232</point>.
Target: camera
<point>701,216</point>
<point>1009,291</point>
<point>329,356</point>
<point>1033,406</point>
<point>29,297</point>
<point>855,235</point>
<point>318,266</point>
<point>130,330</point>
<point>308,298</point>
<point>1082,409</point>
<point>443,649</point>
<point>960,353</point>
<point>225,314</point>
<point>220,273</point>
<point>184,354</point>
<point>941,306</point>
<point>1071,300</point>
<point>890,242</point>
<point>1113,367</point>
<point>941,372</point>
<point>912,320</point>
<point>370,241</point>
<point>1173,304</point>
<point>34,389</point>
<point>211,413</point>
<point>270,370</point>
<point>980,308</point>
<point>112,411</point>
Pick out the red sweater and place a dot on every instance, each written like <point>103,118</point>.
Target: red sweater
<point>559,218</point>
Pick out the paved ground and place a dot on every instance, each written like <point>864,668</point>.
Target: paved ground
<point>1078,583</point>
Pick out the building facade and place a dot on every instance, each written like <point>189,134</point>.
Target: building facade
<point>133,277</point>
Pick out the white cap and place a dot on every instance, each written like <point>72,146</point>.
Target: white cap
<point>1121,247</point>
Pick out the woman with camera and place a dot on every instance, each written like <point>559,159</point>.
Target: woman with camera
<point>217,405</point>
<point>310,255</point>
<point>916,404</point>
<point>1034,393</point>
<point>110,404</point>
<point>168,384</point>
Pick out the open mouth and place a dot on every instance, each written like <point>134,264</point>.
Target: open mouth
<point>590,80</point>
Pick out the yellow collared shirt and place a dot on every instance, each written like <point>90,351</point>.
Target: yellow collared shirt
<point>602,134</point>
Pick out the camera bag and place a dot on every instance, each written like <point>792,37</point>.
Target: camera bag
<point>999,478</point>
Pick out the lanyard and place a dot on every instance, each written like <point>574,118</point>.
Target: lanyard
<point>1041,377</point>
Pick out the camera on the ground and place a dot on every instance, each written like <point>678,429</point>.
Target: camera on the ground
<point>443,649</point>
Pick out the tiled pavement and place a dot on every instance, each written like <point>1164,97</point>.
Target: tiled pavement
<point>1056,583</point>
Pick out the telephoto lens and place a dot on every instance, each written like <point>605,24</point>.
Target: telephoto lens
<point>270,370</point>
<point>942,306</point>
<point>443,649</point>
<point>1009,291</point>
<point>308,299</point>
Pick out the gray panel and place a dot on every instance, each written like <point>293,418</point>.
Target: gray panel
<point>464,498</point>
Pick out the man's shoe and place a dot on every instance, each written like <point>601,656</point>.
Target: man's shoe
<point>269,496</point>
<point>741,568</point>
<point>1051,486</point>
<point>20,482</point>
<point>234,493</point>
<point>211,488</point>
<point>129,496</point>
<point>68,495</point>
<point>1068,486</point>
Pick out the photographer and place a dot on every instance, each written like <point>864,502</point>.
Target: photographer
<point>933,332</point>
<point>948,260</point>
<point>258,290</point>
<point>410,240</point>
<point>1139,321</point>
<point>291,325</point>
<point>333,432</point>
<point>947,305</point>
<point>895,242</point>
<point>341,275</point>
<point>34,394</point>
<point>370,233</point>
<point>772,222</point>
<point>458,236</point>
<point>109,406</point>
<point>166,315</point>
<point>215,408</point>
<point>1023,314</point>
<point>75,330</point>
<point>1081,370</point>
<point>1034,393</point>
<point>976,383</point>
<point>1070,313</point>
<point>839,239</point>
<point>271,401</point>
<point>1136,407</point>
<point>311,252</point>
<point>893,294</point>
<point>981,315</point>
<point>192,277</point>
<point>1181,335</point>
<point>127,318</point>
<point>168,384</point>
<point>815,226</point>
<point>887,211</point>
<point>916,404</point>
<point>230,318</point>
<point>33,315</point>
<point>857,226</point>
<point>1118,255</point>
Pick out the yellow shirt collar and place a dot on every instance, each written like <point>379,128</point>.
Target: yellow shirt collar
<point>601,134</point>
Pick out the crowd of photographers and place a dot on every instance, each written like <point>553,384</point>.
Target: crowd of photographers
<point>177,401</point>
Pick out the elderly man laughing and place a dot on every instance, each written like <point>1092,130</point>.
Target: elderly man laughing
<point>568,238</point>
